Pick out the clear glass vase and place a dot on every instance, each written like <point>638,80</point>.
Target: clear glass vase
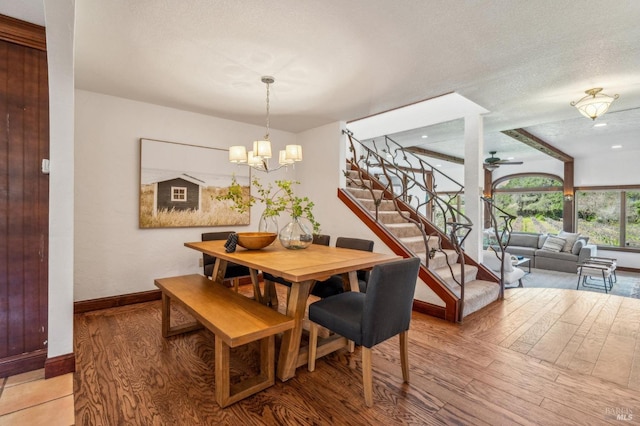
<point>295,235</point>
<point>268,223</point>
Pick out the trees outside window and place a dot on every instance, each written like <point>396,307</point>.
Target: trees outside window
<point>609,217</point>
<point>536,201</point>
<point>598,214</point>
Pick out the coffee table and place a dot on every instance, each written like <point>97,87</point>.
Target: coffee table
<point>523,261</point>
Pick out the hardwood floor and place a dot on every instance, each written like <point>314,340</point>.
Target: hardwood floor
<point>542,356</point>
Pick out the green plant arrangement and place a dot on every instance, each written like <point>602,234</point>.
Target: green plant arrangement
<point>276,200</point>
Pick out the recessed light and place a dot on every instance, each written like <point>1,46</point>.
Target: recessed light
<point>510,158</point>
<point>599,124</point>
<point>438,165</point>
<point>424,136</point>
<point>616,146</point>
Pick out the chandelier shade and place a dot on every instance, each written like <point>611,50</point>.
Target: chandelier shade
<point>262,148</point>
<point>253,160</point>
<point>595,104</point>
<point>238,154</point>
<point>293,152</point>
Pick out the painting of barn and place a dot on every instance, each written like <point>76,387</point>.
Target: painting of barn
<point>180,185</point>
<point>180,193</point>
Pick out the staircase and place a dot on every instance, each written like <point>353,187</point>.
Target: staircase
<point>463,285</point>
<point>443,263</point>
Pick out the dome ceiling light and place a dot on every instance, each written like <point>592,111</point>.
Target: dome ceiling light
<point>595,103</point>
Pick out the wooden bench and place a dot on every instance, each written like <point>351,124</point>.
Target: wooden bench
<point>234,319</point>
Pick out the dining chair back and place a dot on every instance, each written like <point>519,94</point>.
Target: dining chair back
<point>372,317</point>
<point>234,271</point>
<point>354,243</point>
<point>335,284</point>
<point>321,239</point>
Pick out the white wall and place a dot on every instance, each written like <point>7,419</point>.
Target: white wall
<point>112,255</point>
<point>610,168</point>
<point>320,175</point>
<point>60,27</point>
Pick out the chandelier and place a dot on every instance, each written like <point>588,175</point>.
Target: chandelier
<point>595,103</point>
<point>258,157</point>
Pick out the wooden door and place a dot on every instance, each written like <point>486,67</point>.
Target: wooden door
<point>24,201</point>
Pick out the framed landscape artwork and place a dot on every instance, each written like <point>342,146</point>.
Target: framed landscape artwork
<point>179,184</point>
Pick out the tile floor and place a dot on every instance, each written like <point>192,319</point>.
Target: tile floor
<point>29,399</point>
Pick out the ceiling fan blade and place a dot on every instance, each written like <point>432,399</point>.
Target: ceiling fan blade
<point>510,162</point>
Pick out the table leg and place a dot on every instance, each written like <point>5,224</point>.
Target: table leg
<point>166,315</point>
<point>257,294</point>
<point>219,270</point>
<point>270,294</point>
<point>290,346</point>
<point>353,281</point>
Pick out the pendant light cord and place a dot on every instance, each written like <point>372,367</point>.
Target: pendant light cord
<point>267,135</point>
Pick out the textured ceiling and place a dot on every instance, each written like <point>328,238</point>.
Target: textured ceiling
<point>524,61</point>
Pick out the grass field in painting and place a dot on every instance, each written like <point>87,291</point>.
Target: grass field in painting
<point>213,212</point>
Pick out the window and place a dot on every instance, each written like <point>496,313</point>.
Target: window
<point>632,230</point>
<point>609,217</point>
<point>178,193</point>
<point>535,200</point>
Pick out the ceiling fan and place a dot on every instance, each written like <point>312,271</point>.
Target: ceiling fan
<point>494,162</point>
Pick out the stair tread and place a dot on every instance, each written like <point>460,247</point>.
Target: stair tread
<point>416,238</point>
<point>384,200</point>
<point>401,225</point>
<point>475,287</point>
<point>445,272</point>
<point>478,294</point>
<point>439,254</point>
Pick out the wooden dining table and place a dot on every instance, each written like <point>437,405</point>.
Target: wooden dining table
<point>302,268</point>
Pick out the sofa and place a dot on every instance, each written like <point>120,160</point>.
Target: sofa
<point>561,252</point>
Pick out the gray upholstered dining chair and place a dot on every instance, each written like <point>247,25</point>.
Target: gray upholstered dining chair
<point>372,317</point>
<point>234,271</point>
<point>335,284</point>
<point>269,280</point>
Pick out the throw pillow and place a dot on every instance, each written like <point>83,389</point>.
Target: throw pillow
<point>554,243</point>
<point>541,239</point>
<point>571,239</point>
<point>577,246</point>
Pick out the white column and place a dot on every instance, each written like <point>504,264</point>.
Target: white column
<point>473,181</point>
<point>59,17</point>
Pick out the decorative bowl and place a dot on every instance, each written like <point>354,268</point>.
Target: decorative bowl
<point>255,240</point>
